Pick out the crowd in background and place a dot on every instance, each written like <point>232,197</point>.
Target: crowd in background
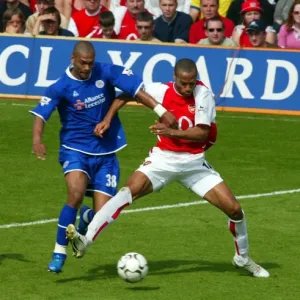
<point>244,23</point>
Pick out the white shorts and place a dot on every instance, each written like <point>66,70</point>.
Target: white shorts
<point>191,170</point>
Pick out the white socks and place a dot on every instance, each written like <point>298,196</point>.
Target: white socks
<point>108,213</point>
<point>240,236</point>
<point>60,249</point>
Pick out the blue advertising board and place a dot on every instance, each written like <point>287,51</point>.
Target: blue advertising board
<point>241,79</point>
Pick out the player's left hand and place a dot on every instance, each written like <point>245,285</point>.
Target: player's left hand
<point>101,128</point>
<point>161,129</point>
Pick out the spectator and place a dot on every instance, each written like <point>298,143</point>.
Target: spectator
<point>83,22</point>
<point>209,10</point>
<point>50,20</point>
<point>145,27</point>
<point>151,6</point>
<point>125,26</point>
<point>281,11</point>
<point>268,6</point>
<point>256,31</point>
<point>41,6</point>
<point>67,7</point>
<point>214,29</point>
<point>14,4</point>
<point>251,10</point>
<point>13,21</point>
<point>154,8</point>
<point>172,26</point>
<point>289,34</point>
<point>196,4</point>
<point>106,28</point>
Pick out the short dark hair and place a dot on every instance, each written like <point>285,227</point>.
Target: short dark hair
<point>53,11</point>
<point>185,65</point>
<point>216,18</point>
<point>144,17</point>
<point>83,47</point>
<point>9,13</point>
<point>107,18</point>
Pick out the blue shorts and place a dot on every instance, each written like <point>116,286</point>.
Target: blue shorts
<point>103,171</point>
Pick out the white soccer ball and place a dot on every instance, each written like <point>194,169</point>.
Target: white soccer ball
<point>132,267</point>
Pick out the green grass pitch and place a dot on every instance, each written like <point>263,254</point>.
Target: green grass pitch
<point>189,249</point>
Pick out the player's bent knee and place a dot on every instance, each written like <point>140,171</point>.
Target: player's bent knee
<point>75,196</point>
<point>235,212</point>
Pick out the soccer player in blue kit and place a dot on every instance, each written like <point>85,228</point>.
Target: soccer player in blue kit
<point>83,96</point>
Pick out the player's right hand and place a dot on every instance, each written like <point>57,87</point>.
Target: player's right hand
<point>169,119</point>
<point>39,150</point>
<point>101,128</point>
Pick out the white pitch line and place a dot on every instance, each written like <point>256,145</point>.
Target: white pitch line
<point>260,118</point>
<point>22,104</point>
<point>158,207</point>
<point>219,116</point>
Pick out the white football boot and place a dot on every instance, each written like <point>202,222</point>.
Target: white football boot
<point>78,241</point>
<point>249,265</point>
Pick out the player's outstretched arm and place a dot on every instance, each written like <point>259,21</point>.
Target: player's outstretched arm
<point>199,133</point>
<point>37,132</point>
<point>117,104</point>
<point>165,116</point>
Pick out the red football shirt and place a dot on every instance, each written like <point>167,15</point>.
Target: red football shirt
<point>244,39</point>
<point>32,5</point>
<point>99,34</point>
<point>128,29</point>
<point>85,22</point>
<point>197,109</point>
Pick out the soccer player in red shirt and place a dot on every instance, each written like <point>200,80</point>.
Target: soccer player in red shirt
<point>178,156</point>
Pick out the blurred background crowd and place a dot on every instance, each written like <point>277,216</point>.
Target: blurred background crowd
<point>244,23</point>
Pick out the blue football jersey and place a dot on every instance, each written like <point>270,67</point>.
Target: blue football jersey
<point>82,104</point>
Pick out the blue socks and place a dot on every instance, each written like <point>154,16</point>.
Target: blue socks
<point>67,216</point>
<point>88,215</point>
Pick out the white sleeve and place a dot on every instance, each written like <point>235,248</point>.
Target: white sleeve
<point>270,29</point>
<point>72,27</point>
<point>157,90</point>
<point>113,5</point>
<point>119,14</point>
<point>184,6</point>
<point>153,7</point>
<point>205,110</point>
<point>187,6</point>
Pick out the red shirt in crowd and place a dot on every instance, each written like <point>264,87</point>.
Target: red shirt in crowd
<point>128,29</point>
<point>99,34</point>
<point>85,22</point>
<point>197,31</point>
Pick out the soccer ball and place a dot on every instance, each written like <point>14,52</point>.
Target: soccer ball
<point>132,267</point>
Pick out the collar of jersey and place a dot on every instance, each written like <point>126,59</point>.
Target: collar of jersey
<point>176,90</point>
<point>69,74</point>
<point>169,22</point>
<point>94,14</point>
